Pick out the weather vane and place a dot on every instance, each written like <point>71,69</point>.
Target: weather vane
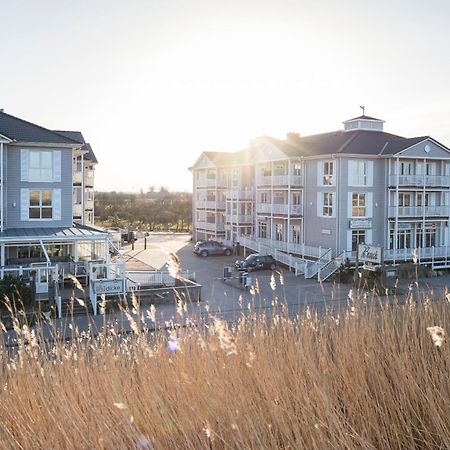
<point>363,110</point>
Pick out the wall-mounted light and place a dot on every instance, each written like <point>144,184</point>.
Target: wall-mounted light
<point>14,204</point>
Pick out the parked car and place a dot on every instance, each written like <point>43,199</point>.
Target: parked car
<point>207,248</point>
<point>256,262</point>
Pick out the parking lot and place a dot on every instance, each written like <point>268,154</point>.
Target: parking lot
<point>226,299</point>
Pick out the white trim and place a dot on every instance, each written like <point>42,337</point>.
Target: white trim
<point>429,139</point>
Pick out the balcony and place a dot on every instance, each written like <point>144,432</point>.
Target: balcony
<point>77,177</point>
<point>89,204</point>
<point>218,227</point>
<point>279,180</point>
<point>268,208</point>
<point>89,181</point>
<point>77,209</point>
<point>236,194</point>
<point>211,182</point>
<point>419,180</point>
<point>240,219</point>
<point>210,204</point>
<point>419,211</point>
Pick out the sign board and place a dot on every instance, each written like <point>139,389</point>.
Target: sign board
<point>108,287</point>
<point>361,224</point>
<point>370,253</point>
<point>369,266</point>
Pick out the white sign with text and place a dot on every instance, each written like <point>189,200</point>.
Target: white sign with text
<point>370,253</point>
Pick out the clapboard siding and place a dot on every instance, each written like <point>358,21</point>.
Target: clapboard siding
<point>14,186</point>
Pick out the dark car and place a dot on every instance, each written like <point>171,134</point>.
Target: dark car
<point>256,262</point>
<point>207,248</point>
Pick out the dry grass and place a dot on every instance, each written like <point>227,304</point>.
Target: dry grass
<point>371,378</point>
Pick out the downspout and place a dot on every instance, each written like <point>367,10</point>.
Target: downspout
<point>423,201</point>
<point>82,190</point>
<point>288,231</point>
<point>337,181</point>
<point>1,187</point>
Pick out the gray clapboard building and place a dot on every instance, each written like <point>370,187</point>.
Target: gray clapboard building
<point>311,200</point>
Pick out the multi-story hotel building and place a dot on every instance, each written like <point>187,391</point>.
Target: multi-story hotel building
<point>311,200</point>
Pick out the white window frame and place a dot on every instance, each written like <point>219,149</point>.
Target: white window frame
<point>322,204</point>
<point>368,198</point>
<point>324,172</point>
<point>360,173</point>
<point>40,206</point>
<point>39,173</point>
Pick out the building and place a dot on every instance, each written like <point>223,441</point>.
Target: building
<point>311,200</point>
<point>46,208</point>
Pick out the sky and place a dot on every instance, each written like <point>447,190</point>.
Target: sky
<point>153,83</point>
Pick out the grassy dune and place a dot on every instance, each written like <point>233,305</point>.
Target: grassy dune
<point>369,378</point>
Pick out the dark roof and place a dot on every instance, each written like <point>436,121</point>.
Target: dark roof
<point>356,142</point>
<point>20,130</point>
<point>50,233</point>
<point>364,117</point>
<point>78,136</point>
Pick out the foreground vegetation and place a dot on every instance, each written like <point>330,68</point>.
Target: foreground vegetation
<point>369,377</point>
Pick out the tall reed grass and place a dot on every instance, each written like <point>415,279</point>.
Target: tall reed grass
<point>371,377</point>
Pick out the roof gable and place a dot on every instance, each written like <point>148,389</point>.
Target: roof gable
<point>425,148</point>
<point>78,136</point>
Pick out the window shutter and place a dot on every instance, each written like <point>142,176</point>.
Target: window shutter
<point>368,239</point>
<point>369,210</point>
<point>319,204</point>
<point>320,173</point>
<point>57,165</point>
<point>351,173</point>
<point>349,204</point>
<point>24,164</point>
<point>370,173</point>
<point>56,204</point>
<point>24,204</point>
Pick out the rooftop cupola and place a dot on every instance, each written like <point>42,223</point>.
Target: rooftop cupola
<point>363,122</point>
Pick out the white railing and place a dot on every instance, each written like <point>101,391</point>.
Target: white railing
<point>89,204</point>
<point>155,278</point>
<point>241,218</point>
<point>89,181</point>
<point>418,211</point>
<point>210,226</point>
<point>279,208</point>
<point>210,204</point>
<point>269,246</point>
<point>77,177</point>
<point>239,194</point>
<point>279,180</point>
<point>419,180</point>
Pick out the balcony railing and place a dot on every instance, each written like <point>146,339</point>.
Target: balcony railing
<point>419,211</point>
<point>210,226</point>
<point>89,204</point>
<point>77,209</point>
<point>283,208</point>
<point>420,180</point>
<point>210,204</point>
<point>211,182</point>
<point>89,181</point>
<point>240,219</point>
<point>236,194</point>
<point>77,177</point>
<point>279,180</point>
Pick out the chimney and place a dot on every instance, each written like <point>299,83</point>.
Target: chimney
<point>293,137</point>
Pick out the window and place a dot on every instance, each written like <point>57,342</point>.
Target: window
<point>359,173</point>
<point>40,166</point>
<point>278,231</point>
<point>296,234</point>
<point>327,204</point>
<point>404,199</point>
<point>264,197</point>
<point>296,198</point>
<point>328,173</point>
<point>420,198</point>
<point>77,195</point>
<point>296,169</point>
<point>278,198</point>
<point>358,237</point>
<point>406,168</point>
<point>40,205</point>
<point>359,204</point>
<point>262,230</point>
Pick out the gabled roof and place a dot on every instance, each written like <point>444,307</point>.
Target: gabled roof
<point>22,131</point>
<point>78,136</point>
